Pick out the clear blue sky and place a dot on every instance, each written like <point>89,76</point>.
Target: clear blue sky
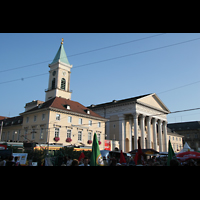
<point>149,72</point>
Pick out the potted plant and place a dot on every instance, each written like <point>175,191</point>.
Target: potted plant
<point>68,140</point>
<point>89,141</point>
<point>56,139</point>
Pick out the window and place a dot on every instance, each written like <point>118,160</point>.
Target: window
<point>63,81</point>
<point>58,117</point>
<point>25,133</point>
<point>90,122</point>
<point>68,107</point>
<point>34,118</point>
<point>33,133</point>
<point>8,135</point>
<point>3,136</point>
<point>41,133</point>
<point>69,119</point>
<point>13,136</point>
<point>18,136</point>
<point>99,124</point>
<point>79,135</point>
<point>89,135</point>
<point>99,137</point>
<point>57,130</point>
<point>27,119</point>
<point>43,116</point>
<point>80,121</point>
<point>173,138</point>
<point>69,133</point>
<point>53,84</point>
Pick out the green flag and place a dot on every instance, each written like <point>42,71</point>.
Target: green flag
<point>171,154</point>
<point>96,158</point>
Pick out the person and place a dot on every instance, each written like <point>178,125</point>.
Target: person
<point>17,163</point>
<point>10,162</point>
<point>3,161</point>
<point>174,162</point>
<point>105,161</point>
<point>132,162</point>
<point>85,162</point>
<point>75,162</point>
<point>69,161</point>
<point>113,162</point>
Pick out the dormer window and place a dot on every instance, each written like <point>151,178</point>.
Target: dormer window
<point>87,111</point>
<point>67,107</point>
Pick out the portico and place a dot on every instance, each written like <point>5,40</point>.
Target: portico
<point>143,118</point>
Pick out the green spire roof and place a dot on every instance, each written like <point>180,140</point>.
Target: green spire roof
<point>61,55</point>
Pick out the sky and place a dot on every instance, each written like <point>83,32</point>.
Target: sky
<point>106,67</point>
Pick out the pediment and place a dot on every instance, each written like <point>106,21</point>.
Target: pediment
<point>154,101</point>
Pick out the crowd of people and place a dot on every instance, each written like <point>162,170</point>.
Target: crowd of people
<point>8,161</point>
<point>154,161</point>
<point>68,161</point>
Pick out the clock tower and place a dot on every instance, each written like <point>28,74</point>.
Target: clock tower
<point>59,76</point>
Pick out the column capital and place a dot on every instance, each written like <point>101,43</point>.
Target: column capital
<point>135,114</point>
<point>165,122</point>
<point>142,115</point>
<point>160,121</point>
<point>149,117</point>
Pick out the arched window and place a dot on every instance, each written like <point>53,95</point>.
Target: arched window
<point>53,83</point>
<point>63,81</point>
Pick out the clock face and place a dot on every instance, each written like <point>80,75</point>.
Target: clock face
<point>54,73</point>
<point>64,73</point>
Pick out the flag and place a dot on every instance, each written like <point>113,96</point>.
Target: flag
<point>96,157</point>
<point>81,156</point>
<point>171,154</point>
<point>136,158</point>
<point>122,159</point>
<point>140,154</point>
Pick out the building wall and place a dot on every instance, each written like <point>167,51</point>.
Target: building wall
<point>47,121</point>
<point>36,125</point>
<point>75,127</point>
<point>12,133</point>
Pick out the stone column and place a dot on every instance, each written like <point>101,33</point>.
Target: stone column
<point>122,131</point>
<point>149,132</point>
<point>142,131</point>
<point>160,134</point>
<point>135,117</point>
<point>154,134</point>
<point>130,134</point>
<point>165,135</point>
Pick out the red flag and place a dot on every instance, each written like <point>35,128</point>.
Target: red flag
<point>81,156</point>
<point>140,154</point>
<point>122,159</point>
<point>136,158</point>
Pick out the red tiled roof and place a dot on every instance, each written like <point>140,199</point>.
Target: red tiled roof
<point>61,103</point>
<point>2,117</point>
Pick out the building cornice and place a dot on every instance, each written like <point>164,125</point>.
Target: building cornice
<point>77,114</point>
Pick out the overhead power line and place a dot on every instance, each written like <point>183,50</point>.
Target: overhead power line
<point>158,48</point>
<point>85,52</point>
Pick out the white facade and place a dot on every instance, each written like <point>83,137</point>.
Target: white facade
<point>143,118</point>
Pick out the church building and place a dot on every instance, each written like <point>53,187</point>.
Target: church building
<point>142,117</point>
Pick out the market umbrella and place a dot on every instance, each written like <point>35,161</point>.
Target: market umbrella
<point>188,155</point>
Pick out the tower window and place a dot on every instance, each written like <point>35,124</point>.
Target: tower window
<point>53,83</point>
<point>63,81</point>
